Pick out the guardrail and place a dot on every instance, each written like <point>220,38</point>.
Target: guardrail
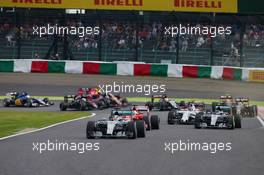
<point>132,69</point>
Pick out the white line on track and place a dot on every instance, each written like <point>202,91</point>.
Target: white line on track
<point>47,127</point>
<point>261,121</point>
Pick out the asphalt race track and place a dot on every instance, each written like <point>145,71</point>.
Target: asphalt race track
<point>140,156</point>
<point>62,84</point>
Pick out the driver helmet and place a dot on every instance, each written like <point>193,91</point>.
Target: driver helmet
<point>24,94</point>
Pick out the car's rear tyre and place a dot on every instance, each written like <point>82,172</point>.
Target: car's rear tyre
<point>147,122</point>
<point>90,129</point>
<point>171,116</point>
<point>63,106</point>
<point>231,122</point>
<point>154,121</point>
<point>141,130</point>
<point>237,119</point>
<point>131,130</point>
<point>255,107</point>
<point>251,111</point>
<point>197,121</point>
<point>6,102</point>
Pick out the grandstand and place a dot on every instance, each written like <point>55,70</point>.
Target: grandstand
<point>133,36</point>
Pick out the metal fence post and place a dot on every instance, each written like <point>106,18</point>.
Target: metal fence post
<point>211,52</point>
<point>100,38</point>
<point>18,34</point>
<point>178,40</point>
<point>243,29</point>
<point>212,45</point>
<point>137,37</point>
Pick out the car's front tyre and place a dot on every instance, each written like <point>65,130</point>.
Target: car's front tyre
<point>6,102</point>
<point>155,121</point>
<point>90,129</point>
<point>63,106</point>
<point>171,116</point>
<point>141,129</point>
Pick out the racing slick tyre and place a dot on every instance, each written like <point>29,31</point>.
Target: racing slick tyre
<point>197,121</point>
<point>63,106</point>
<point>251,112</point>
<point>155,121</point>
<point>141,129</point>
<point>131,130</point>
<point>237,119</point>
<point>149,105</point>
<point>90,129</point>
<point>255,107</point>
<point>147,122</point>
<point>171,116</point>
<point>6,102</point>
<point>231,122</point>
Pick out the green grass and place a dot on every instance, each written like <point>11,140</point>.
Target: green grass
<point>12,122</point>
<point>145,99</point>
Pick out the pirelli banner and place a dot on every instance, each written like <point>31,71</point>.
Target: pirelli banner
<point>224,6</point>
<point>256,75</point>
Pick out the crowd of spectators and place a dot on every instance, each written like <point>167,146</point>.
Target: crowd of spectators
<point>123,35</point>
<point>150,36</point>
<point>254,36</point>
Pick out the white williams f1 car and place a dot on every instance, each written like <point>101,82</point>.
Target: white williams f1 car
<point>183,116</point>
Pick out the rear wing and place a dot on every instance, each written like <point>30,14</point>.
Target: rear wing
<point>198,105</point>
<point>159,96</point>
<point>69,97</point>
<point>225,97</point>
<point>226,109</point>
<point>11,94</point>
<point>140,108</point>
<point>242,100</point>
<point>121,111</point>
